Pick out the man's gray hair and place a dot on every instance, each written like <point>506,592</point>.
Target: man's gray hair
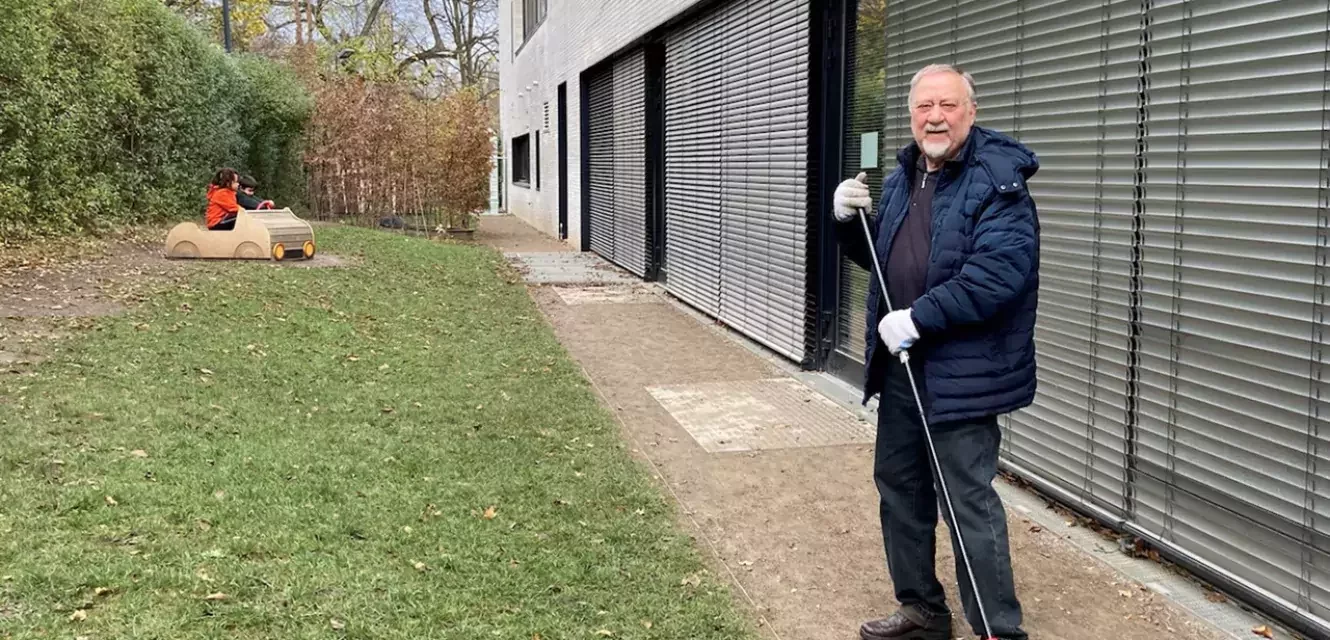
<point>944,68</point>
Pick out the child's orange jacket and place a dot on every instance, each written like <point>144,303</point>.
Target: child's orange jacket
<point>221,202</point>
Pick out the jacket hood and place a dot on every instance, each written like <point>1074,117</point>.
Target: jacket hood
<point>1005,157</point>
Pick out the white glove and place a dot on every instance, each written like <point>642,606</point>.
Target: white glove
<point>898,331</point>
<point>851,196</point>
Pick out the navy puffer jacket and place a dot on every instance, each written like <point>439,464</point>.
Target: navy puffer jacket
<point>976,320</point>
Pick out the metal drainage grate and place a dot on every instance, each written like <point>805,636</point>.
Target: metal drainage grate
<point>753,415</point>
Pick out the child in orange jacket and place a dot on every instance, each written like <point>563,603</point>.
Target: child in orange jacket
<point>222,206</point>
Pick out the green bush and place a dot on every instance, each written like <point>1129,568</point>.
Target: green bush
<point>117,112</point>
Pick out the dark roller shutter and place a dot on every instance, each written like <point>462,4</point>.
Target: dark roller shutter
<point>736,143</point>
<point>616,101</point>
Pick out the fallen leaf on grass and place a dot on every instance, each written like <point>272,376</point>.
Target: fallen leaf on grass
<point>604,632</point>
<point>102,591</point>
<point>219,494</point>
<point>206,372</point>
<point>337,625</point>
<point>490,512</point>
<point>1263,630</point>
<point>387,409</point>
<point>79,616</point>
<point>215,596</point>
<point>646,623</point>
<point>139,453</point>
<point>420,566</point>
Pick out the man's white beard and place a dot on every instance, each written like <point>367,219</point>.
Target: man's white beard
<point>936,150</point>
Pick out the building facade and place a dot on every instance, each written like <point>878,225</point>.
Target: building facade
<point>1184,200</point>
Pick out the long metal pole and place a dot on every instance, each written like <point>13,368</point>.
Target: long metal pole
<point>928,434</point>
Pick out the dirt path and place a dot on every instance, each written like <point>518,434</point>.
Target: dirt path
<point>797,529</point>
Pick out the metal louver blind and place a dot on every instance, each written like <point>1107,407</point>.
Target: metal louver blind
<point>600,164</point>
<point>693,103</point>
<point>1232,445</point>
<point>617,103</point>
<point>1061,76</point>
<point>1183,196</point>
<point>1072,97</point>
<point>736,143</point>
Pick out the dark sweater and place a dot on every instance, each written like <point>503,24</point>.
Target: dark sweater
<point>907,266</point>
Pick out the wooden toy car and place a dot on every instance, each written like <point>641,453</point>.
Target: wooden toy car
<point>274,234</point>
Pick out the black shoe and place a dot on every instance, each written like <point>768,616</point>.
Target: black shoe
<point>899,626</point>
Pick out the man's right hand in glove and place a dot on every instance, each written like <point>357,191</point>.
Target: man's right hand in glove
<point>851,196</point>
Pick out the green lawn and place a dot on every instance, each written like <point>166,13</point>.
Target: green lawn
<point>399,449</point>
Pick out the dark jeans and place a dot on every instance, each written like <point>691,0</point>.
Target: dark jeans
<point>968,452</point>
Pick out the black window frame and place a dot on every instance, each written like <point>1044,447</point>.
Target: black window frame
<point>532,15</point>
<point>520,161</point>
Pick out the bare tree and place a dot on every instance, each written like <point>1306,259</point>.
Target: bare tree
<point>465,42</point>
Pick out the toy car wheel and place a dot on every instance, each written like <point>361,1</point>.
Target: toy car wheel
<point>278,251</point>
<point>185,249</point>
<point>249,250</point>
<point>308,249</point>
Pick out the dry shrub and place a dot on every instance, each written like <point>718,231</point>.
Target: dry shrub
<point>376,149</point>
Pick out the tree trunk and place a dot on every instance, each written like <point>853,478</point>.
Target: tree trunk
<point>300,12</point>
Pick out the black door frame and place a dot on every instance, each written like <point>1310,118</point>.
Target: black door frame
<point>563,160</point>
<point>654,51</point>
<point>584,162</point>
<point>830,21</point>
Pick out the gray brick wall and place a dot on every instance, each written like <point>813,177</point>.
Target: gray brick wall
<point>576,34</point>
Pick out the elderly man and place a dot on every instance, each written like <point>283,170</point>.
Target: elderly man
<point>957,235</point>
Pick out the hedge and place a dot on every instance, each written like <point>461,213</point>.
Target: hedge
<point>117,112</point>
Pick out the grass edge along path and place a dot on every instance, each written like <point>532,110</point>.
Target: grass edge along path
<point>398,449</point>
